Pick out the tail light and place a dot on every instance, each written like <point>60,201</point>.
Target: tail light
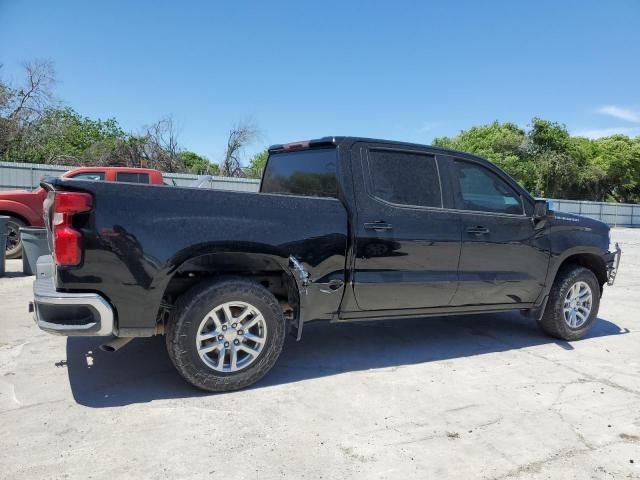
<point>67,241</point>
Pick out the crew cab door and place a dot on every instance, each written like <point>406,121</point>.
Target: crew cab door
<point>407,246</point>
<point>502,260</point>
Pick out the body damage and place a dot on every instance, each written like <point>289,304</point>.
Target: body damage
<point>131,255</point>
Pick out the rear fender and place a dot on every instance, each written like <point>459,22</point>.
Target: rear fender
<point>311,298</point>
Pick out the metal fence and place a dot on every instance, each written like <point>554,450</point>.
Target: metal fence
<point>614,214</point>
<point>27,176</point>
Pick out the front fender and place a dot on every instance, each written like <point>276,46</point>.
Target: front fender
<point>12,207</point>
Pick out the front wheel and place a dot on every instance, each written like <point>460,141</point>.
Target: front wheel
<point>573,304</point>
<point>226,335</point>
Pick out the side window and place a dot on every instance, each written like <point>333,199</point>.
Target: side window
<point>132,177</point>
<point>405,178</point>
<point>482,190</point>
<point>309,172</point>
<point>89,176</point>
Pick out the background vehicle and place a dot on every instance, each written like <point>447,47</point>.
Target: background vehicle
<point>342,229</point>
<point>25,207</point>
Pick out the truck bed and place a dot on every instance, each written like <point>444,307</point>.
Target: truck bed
<point>137,237</point>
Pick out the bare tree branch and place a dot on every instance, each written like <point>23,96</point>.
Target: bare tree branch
<point>241,135</point>
<point>36,94</point>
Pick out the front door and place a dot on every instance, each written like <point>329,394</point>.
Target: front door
<point>501,261</point>
<point>407,246</point>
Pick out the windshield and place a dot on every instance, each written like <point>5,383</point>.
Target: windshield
<point>304,172</point>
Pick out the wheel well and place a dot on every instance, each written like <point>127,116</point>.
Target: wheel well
<point>259,268</point>
<point>592,262</point>
<point>16,216</point>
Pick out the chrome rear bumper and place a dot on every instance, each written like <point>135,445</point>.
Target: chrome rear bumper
<point>68,314</point>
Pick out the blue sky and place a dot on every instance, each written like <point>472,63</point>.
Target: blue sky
<point>403,70</point>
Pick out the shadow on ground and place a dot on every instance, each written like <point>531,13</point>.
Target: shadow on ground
<point>142,372</point>
<point>15,274</point>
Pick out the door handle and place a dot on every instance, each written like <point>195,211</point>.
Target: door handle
<point>478,230</point>
<point>379,226</point>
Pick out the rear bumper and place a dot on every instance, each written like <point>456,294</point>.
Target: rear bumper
<point>612,265</point>
<point>70,314</point>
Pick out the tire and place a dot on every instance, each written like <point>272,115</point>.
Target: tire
<point>554,321</point>
<point>14,244</point>
<point>194,313</point>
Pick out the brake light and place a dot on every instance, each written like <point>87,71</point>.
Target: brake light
<point>296,145</point>
<point>67,241</point>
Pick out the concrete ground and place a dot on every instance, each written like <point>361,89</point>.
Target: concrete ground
<point>482,397</point>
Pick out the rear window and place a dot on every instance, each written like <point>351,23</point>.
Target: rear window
<point>95,176</point>
<point>132,177</point>
<point>306,172</point>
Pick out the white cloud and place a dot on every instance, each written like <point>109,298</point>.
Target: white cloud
<point>607,132</point>
<point>620,112</point>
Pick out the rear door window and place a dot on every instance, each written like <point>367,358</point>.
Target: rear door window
<point>132,177</point>
<point>405,178</point>
<point>309,172</point>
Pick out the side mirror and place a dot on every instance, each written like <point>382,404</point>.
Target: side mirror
<point>540,208</point>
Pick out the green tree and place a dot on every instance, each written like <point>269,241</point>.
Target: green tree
<point>549,162</point>
<point>195,163</point>
<point>63,135</point>
<point>257,164</point>
<point>618,158</point>
<point>502,143</point>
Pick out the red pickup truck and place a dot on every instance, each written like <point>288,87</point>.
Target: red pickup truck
<point>25,207</point>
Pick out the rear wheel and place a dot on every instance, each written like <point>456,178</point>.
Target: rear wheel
<point>225,336</point>
<point>573,303</point>
<point>14,244</point>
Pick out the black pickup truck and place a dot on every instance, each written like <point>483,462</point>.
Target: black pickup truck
<point>342,229</point>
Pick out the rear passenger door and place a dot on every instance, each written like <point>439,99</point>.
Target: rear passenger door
<point>501,261</point>
<point>407,246</point>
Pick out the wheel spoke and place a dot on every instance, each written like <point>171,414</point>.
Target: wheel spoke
<point>216,321</point>
<point>234,358</point>
<point>245,313</point>
<point>254,338</point>
<point>252,322</point>
<point>584,313</point>
<point>221,355</point>
<point>574,291</point>
<point>573,318</point>
<point>207,335</point>
<point>228,318</point>
<point>244,347</point>
<point>210,348</point>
